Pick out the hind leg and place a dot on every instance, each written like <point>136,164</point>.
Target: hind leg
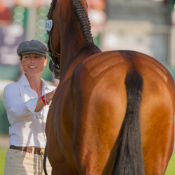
<point>96,132</point>
<point>157,134</point>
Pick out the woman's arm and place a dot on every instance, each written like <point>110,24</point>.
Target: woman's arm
<point>18,109</point>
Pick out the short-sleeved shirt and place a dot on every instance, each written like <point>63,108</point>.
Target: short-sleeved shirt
<point>27,127</point>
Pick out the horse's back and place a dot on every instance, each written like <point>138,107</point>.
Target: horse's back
<point>100,102</point>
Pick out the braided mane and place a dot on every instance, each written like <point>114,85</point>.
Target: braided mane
<point>83,19</point>
<point>86,3</point>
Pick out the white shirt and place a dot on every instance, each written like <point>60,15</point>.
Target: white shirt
<point>27,127</point>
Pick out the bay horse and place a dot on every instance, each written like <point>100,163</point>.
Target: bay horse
<point>113,112</point>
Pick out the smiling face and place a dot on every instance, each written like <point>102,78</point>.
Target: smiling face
<point>33,64</point>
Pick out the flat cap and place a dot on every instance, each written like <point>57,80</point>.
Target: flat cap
<point>33,46</point>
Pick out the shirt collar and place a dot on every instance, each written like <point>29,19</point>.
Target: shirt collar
<point>45,86</point>
<point>25,82</point>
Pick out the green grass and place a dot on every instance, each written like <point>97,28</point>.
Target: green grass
<point>170,169</point>
<point>171,166</point>
<point>2,160</point>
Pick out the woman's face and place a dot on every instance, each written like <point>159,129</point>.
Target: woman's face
<point>33,64</point>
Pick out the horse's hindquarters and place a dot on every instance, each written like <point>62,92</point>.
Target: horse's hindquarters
<point>100,105</point>
<point>157,118</point>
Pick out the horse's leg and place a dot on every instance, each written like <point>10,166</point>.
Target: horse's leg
<point>57,161</point>
<point>157,113</point>
<point>94,139</point>
<point>99,110</point>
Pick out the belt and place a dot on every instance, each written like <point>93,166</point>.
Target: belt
<point>39,151</point>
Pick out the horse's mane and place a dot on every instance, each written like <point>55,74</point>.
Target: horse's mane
<point>82,16</point>
<point>84,20</point>
<point>52,6</point>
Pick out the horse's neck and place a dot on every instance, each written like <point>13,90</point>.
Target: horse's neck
<point>76,38</point>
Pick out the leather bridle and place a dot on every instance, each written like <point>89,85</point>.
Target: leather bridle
<point>55,59</point>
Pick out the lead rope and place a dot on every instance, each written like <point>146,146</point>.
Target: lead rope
<point>45,152</point>
<point>57,66</point>
<point>44,161</point>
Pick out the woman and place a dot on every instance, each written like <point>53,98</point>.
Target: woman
<point>27,104</point>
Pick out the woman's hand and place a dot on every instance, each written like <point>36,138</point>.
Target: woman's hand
<point>49,96</point>
<point>41,102</point>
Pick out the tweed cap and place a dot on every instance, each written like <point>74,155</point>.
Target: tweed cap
<point>33,46</point>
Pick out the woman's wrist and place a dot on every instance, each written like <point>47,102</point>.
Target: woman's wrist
<point>44,99</point>
<point>47,98</point>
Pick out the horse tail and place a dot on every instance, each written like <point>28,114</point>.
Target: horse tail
<point>129,158</point>
<point>44,161</point>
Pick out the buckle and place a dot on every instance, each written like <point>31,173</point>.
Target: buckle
<point>42,152</point>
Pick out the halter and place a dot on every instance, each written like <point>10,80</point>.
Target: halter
<point>48,27</point>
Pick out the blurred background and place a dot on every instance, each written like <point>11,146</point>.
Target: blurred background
<point>146,26</point>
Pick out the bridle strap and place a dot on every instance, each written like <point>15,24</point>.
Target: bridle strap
<point>50,40</point>
<point>55,59</point>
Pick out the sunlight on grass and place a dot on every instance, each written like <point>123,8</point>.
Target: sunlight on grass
<point>171,166</point>
<point>2,160</point>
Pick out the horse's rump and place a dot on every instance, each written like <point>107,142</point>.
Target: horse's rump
<point>100,106</point>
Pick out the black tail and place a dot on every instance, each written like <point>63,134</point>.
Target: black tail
<point>129,158</point>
